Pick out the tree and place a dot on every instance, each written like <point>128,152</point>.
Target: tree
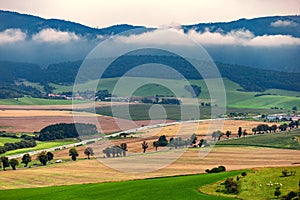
<point>193,139</point>
<point>202,143</point>
<point>245,132</point>
<point>89,152</point>
<point>163,141</point>
<point>43,158</point>
<point>124,148</point>
<point>277,192</point>
<point>50,156</point>
<point>254,130</point>
<point>13,163</point>
<point>240,132</point>
<point>73,153</point>
<point>228,133</point>
<point>274,128</point>
<point>144,146</point>
<point>26,159</point>
<point>217,134</point>
<point>156,145</point>
<point>5,162</point>
<point>107,151</point>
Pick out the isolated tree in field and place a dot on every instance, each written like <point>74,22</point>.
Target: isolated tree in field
<point>202,143</point>
<point>43,158</point>
<point>107,151</point>
<point>163,141</point>
<point>89,152</point>
<point>240,132</point>
<point>5,162</point>
<point>277,192</point>
<point>228,133</point>
<point>217,134</point>
<point>193,139</point>
<point>144,146</point>
<point>124,148</point>
<point>50,156</point>
<point>13,163</point>
<point>274,128</point>
<point>172,142</point>
<point>254,130</point>
<point>156,145</point>
<point>73,153</point>
<point>245,132</point>
<point>26,159</point>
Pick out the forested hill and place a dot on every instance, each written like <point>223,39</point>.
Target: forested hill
<point>251,79</point>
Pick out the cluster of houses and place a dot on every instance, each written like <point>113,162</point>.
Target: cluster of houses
<point>282,117</point>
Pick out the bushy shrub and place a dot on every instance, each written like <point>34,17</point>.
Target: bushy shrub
<point>216,169</point>
<point>231,185</point>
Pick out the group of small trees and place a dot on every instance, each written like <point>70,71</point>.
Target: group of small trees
<point>17,145</point>
<point>115,151</point>
<point>44,157</point>
<point>265,128</point>
<point>6,163</point>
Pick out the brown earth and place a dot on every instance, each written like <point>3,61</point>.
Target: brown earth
<point>92,171</point>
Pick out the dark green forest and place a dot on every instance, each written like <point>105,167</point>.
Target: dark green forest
<point>63,130</point>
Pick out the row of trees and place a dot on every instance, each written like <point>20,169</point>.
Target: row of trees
<point>17,145</point>
<point>44,157</point>
<point>115,151</point>
<point>265,128</point>
<point>173,101</point>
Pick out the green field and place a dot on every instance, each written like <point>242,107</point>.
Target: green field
<point>285,140</point>
<point>37,101</point>
<point>4,140</point>
<point>39,146</point>
<point>141,112</point>
<point>236,98</point>
<point>255,184</point>
<point>181,187</point>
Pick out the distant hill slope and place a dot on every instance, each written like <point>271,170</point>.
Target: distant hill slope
<point>258,26</point>
<point>286,25</point>
<point>250,79</point>
<point>32,25</point>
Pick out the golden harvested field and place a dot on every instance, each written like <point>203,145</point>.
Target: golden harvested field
<point>92,171</point>
<point>203,128</point>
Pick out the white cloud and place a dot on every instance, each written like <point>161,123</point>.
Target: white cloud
<point>243,38</point>
<point>51,35</point>
<point>282,23</point>
<point>11,36</point>
<point>239,37</point>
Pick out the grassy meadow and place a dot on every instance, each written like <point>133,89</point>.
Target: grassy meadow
<point>259,184</point>
<point>181,187</point>
<point>236,98</point>
<point>284,140</point>
<point>38,101</point>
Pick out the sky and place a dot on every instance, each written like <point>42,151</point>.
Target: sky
<point>151,13</point>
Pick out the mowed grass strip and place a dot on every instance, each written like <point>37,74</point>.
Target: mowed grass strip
<point>285,140</point>
<point>181,187</point>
